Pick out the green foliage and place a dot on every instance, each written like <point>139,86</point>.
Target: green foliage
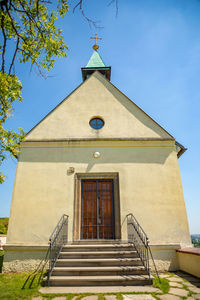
<point>31,26</point>
<point>2,229</point>
<point>10,90</point>
<point>3,225</point>
<point>196,240</point>
<point>162,284</point>
<point>28,29</point>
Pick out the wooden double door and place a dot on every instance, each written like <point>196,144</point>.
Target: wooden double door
<point>97,209</point>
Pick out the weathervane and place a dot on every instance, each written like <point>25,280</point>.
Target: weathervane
<point>95,46</point>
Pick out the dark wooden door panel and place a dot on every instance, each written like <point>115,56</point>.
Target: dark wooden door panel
<point>105,209</point>
<point>97,209</point>
<point>89,210</point>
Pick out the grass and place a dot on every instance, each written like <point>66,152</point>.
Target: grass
<point>11,287</point>
<point>119,297</point>
<point>162,284</point>
<point>101,297</point>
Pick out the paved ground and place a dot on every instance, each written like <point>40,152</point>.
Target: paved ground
<point>182,286</point>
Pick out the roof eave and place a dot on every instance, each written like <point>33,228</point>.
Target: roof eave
<point>91,70</point>
<point>182,149</point>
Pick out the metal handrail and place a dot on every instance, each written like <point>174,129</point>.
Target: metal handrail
<point>60,220</point>
<point>140,240</point>
<point>57,239</point>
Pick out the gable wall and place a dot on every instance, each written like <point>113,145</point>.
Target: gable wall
<point>96,97</point>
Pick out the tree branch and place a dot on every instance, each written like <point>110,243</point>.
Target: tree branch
<point>37,7</point>
<point>45,1</point>
<point>16,9</point>
<point>13,25</point>
<point>90,21</point>
<point>116,5</point>
<point>31,18</point>
<point>79,4</point>
<point>14,56</point>
<point>4,44</point>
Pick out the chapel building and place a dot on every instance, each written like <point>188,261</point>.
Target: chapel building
<point>98,158</point>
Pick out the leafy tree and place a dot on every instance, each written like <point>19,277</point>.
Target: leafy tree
<point>28,33</point>
<point>3,225</point>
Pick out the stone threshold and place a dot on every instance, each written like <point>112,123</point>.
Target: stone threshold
<point>98,289</point>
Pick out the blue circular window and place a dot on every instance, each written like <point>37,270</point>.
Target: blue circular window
<point>96,123</point>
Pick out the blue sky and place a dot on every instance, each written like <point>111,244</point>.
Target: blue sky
<point>153,48</point>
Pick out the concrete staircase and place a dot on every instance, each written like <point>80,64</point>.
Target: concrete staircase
<point>99,264</point>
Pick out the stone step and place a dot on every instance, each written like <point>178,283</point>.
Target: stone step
<point>97,247</point>
<point>98,262</point>
<point>85,271</point>
<point>99,241</point>
<point>100,280</point>
<point>103,254</point>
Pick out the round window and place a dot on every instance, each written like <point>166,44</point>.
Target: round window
<point>96,123</point>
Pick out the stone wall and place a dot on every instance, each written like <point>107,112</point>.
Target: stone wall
<point>23,259</point>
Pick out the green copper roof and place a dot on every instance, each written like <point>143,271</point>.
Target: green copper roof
<point>95,61</point>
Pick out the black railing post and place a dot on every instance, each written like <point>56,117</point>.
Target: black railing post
<point>139,239</point>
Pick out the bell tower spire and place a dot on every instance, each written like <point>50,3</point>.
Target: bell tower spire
<point>95,63</point>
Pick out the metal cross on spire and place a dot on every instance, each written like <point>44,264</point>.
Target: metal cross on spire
<point>95,46</point>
